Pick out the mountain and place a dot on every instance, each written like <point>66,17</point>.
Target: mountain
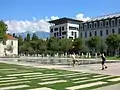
<point>40,34</point>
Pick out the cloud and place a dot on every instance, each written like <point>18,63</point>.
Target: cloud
<point>15,26</point>
<point>80,16</point>
<point>31,26</point>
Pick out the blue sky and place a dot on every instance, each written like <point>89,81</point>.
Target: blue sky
<point>18,14</point>
<point>26,9</point>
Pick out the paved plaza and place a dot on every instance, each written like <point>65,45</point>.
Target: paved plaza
<point>34,76</point>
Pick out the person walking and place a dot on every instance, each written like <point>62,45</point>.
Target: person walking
<point>73,59</point>
<point>103,61</point>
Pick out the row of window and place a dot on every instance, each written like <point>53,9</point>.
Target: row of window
<point>98,24</point>
<point>60,33</point>
<point>56,29</point>
<point>74,34</point>
<point>62,28</point>
<point>101,33</point>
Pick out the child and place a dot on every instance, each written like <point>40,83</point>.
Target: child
<point>103,62</point>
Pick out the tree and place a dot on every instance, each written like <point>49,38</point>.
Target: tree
<point>3,29</point>
<point>102,46</point>
<point>20,42</point>
<point>13,35</point>
<point>53,44</point>
<point>28,37</point>
<point>92,43</point>
<point>65,44</point>
<point>34,37</point>
<point>113,42</point>
<point>78,44</point>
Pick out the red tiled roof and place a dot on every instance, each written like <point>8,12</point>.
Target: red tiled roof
<point>10,37</point>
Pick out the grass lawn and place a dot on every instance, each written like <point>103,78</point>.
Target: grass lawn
<point>16,75</point>
<point>112,58</point>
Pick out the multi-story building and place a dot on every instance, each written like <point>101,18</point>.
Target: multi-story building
<point>101,26</point>
<point>64,28</point>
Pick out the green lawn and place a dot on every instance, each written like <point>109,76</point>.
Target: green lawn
<point>11,75</point>
<point>112,58</point>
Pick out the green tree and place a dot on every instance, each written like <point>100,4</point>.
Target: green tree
<point>113,42</point>
<point>28,37</point>
<point>78,44</point>
<point>34,37</point>
<point>3,29</point>
<point>93,43</point>
<point>53,45</point>
<point>102,46</point>
<point>65,45</point>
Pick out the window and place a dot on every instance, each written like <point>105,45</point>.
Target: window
<point>75,35</point>
<point>85,26</point>
<point>107,32</point>
<point>90,25</point>
<point>64,33</point>
<point>73,28</point>
<point>57,33</point>
<point>85,34</point>
<point>113,30</point>
<point>60,31</point>
<point>101,33</point>
<point>81,35</point>
<point>51,30</point>
<point>11,42</point>
<point>62,36</point>
<point>118,21</point>
<point>56,29</point>
<point>118,30</point>
<point>101,23</point>
<point>95,33</point>
<point>95,24</point>
<point>72,33</point>
<point>90,34</point>
<point>106,23</point>
<point>113,22</point>
<point>63,28</point>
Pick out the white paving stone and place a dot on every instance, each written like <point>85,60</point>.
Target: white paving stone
<point>77,75</point>
<point>52,82</point>
<point>85,85</point>
<point>39,76</point>
<point>8,69</point>
<point>8,78</point>
<point>79,78</point>
<point>11,83</point>
<point>98,75</point>
<point>69,74</point>
<point>13,87</point>
<point>114,79</point>
<point>42,88</point>
<point>49,79</point>
<point>93,79</point>
<point>23,74</point>
<point>42,75</point>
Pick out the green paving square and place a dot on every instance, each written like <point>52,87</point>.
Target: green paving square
<point>18,75</point>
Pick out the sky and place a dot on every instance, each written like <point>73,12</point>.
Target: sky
<point>32,15</point>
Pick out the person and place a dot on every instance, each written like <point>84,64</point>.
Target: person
<point>103,61</point>
<point>73,59</point>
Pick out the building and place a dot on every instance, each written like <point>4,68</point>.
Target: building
<point>10,47</point>
<point>101,26</point>
<point>64,28</point>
